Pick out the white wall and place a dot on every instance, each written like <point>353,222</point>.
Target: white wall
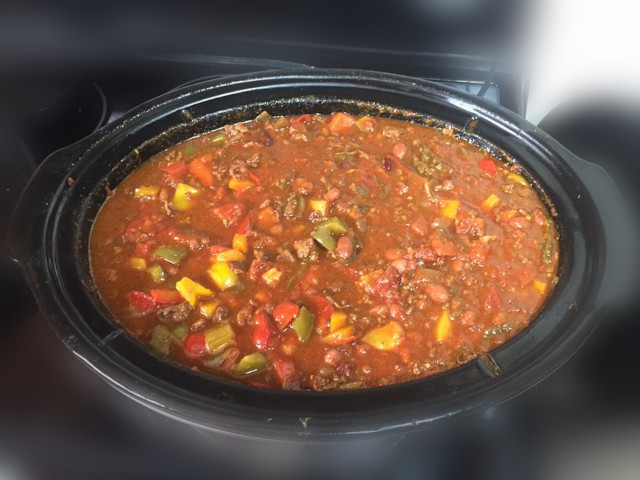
<point>580,48</point>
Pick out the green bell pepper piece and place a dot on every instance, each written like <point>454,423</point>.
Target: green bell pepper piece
<point>251,363</point>
<point>303,324</point>
<point>334,225</point>
<point>173,255</point>
<point>180,332</point>
<point>160,339</point>
<point>323,236</point>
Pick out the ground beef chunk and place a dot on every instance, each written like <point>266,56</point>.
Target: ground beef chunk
<point>189,237</point>
<point>221,314</point>
<point>306,250</point>
<point>474,227</point>
<point>244,316</point>
<point>235,129</point>
<point>174,313</point>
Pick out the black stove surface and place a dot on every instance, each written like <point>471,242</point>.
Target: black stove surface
<point>60,421</point>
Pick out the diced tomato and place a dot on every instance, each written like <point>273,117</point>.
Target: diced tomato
<point>284,313</point>
<point>230,213</point>
<point>420,227</point>
<point>245,225</point>
<point>166,297</point>
<point>201,169</point>
<point>194,345</point>
<point>142,302</point>
<point>176,170</point>
<point>488,166</point>
<point>340,122</point>
<point>523,276</point>
<point>492,301</point>
<point>285,371</point>
<point>305,119</point>
<point>143,249</point>
<point>299,124</point>
<point>322,309</point>
<point>261,333</point>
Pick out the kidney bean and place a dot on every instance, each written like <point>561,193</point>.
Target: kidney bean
<point>437,293</point>
<point>344,249</point>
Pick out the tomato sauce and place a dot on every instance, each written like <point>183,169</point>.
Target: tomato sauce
<point>324,252</point>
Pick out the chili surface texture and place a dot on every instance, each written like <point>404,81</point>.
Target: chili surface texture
<point>324,252</point>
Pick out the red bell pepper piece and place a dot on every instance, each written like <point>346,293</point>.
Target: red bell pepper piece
<point>322,310</point>
<point>245,225</point>
<point>340,122</point>
<point>176,170</point>
<point>166,297</point>
<point>230,213</point>
<point>141,301</point>
<point>201,169</point>
<point>284,313</point>
<point>487,165</point>
<point>262,330</point>
<point>285,371</point>
<point>194,345</point>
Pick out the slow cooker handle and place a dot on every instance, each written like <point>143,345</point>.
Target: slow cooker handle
<point>23,239</point>
<point>621,278</point>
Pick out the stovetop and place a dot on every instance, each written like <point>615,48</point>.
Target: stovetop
<point>54,411</point>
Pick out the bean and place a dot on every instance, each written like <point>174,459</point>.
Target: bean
<point>437,293</point>
<point>400,264</point>
<point>344,249</point>
<point>333,357</point>
<point>332,195</point>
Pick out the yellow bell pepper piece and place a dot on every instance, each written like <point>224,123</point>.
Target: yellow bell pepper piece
<point>492,201</point>
<point>385,338</point>
<point>319,206</point>
<point>240,185</point>
<point>272,276</point>
<point>138,263</point>
<point>207,309</point>
<point>514,177</point>
<point>191,290</point>
<point>338,320</point>
<point>223,276</point>
<point>231,255</point>
<point>341,336</point>
<point>240,242</point>
<point>443,328</point>
<point>539,287</point>
<point>147,192</point>
<point>449,208</point>
<point>183,198</point>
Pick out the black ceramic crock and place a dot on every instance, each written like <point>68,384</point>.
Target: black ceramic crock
<point>52,224</point>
